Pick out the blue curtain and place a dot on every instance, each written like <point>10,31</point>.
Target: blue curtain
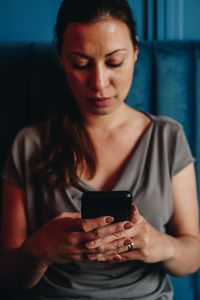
<point>167,82</point>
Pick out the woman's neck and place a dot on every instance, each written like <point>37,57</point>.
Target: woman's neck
<point>108,122</point>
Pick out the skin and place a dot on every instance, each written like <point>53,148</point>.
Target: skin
<point>99,62</point>
<point>100,89</point>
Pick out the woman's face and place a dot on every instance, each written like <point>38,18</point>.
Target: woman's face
<point>98,59</point>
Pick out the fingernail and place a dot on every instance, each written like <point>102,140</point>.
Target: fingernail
<point>92,256</point>
<point>134,208</point>
<point>128,225</point>
<point>127,242</point>
<point>109,220</point>
<point>117,258</point>
<point>90,244</point>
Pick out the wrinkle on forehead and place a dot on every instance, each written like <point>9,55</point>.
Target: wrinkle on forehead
<point>104,32</point>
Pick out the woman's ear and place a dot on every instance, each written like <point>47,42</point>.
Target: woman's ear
<point>136,48</point>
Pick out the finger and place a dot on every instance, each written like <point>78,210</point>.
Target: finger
<point>131,255</point>
<point>84,225</point>
<point>79,250</point>
<point>74,258</point>
<point>113,247</point>
<point>101,256</point>
<point>92,224</point>
<point>116,247</point>
<point>74,242</point>
<point>122,256</point>
<point>113,258</point>
<point>109,233</point>
<point>135,215</point>
<point>68,215</point>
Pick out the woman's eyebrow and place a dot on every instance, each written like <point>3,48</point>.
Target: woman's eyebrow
<point>116,51</point>
<point>88,57</point>
<point>80,54</point>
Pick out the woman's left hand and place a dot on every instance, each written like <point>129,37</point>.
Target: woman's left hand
<point>148,244</point>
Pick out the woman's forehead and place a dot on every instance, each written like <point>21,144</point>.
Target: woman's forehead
<point>102,33</point>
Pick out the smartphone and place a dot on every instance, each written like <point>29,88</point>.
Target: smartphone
<point>112,203</point>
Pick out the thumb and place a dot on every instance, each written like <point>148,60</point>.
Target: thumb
<point>73,215</point>
<point>135,215</point>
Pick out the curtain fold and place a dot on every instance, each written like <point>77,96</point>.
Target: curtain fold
<point>167,82</point>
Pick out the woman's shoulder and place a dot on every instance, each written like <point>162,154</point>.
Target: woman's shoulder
<point>165,120</point>
<point>161,122</point>
<point>166,124</point>
<point>32,133</point>
<point>29,139</point>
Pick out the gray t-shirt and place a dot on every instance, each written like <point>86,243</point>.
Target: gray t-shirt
<point>160,154</point>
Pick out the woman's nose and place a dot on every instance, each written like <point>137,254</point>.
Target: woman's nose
<point>99,78</point>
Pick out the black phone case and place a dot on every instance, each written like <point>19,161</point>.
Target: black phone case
<point>112,203</point>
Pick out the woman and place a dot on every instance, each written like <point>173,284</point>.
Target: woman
<point>98,143</point>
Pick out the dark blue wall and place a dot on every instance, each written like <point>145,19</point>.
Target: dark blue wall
<point>33,20</point>
<point>27,20</point>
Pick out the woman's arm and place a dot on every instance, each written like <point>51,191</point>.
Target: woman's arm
<point>18,270</point>
<point>179,252</point>
<point>24,259</point>
<point>184,225</point>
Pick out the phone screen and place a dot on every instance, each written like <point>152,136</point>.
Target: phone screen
<point>112,203</point>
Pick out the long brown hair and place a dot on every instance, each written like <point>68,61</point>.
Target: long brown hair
<point>68,150</point>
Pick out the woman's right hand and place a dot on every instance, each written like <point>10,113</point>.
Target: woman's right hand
<point>62,239</point>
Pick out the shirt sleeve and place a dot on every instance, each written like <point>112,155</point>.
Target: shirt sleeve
<point>14,168</point>
<point>19,168</point>
<point>182,154</point>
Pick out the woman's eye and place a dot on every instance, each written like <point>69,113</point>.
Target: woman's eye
<point>80,67</point>
<point>88,65</point>
<point>114,65</point>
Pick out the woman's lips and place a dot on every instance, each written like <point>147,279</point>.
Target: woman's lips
<point>101,102</point>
